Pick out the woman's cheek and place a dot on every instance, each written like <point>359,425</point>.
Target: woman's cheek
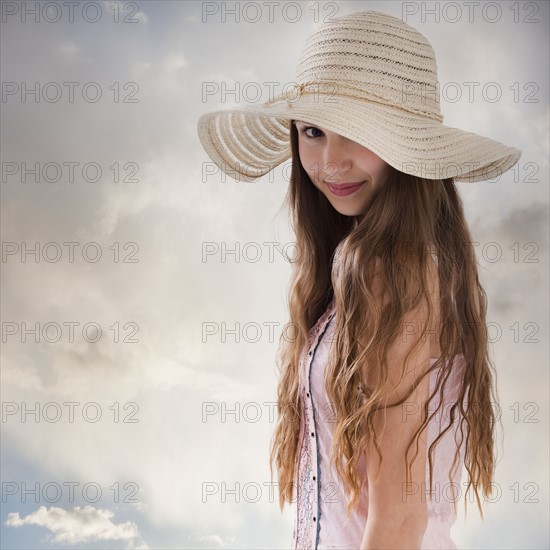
<point>382,171</point>
<point>308,164</point>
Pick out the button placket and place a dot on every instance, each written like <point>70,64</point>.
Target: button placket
<point>314,458</point>
<point>306,506</point>
<point>313,449</point>
<point>308,532</point>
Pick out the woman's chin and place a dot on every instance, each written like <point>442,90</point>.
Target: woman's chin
<point>348,210</point>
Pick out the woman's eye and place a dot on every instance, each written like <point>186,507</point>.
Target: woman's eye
<point>315,132</point>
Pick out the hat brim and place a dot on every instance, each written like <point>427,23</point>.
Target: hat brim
<point>248,142</point>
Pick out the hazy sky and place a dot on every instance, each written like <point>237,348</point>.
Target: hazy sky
<point>143,328</point>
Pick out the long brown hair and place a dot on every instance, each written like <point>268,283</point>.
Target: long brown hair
<point>337,257</point>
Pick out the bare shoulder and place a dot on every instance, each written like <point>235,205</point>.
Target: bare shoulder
<point>411,341</point>
<point>432,280</point>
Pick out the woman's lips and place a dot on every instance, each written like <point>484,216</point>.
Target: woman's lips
<point>343,189</point>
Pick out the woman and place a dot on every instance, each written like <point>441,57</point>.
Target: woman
<point>387,391</point>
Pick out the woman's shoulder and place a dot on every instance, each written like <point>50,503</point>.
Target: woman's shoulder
<point>431,276</point>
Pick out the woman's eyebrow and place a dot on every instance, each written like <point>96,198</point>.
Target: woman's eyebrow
<point>309,124</point>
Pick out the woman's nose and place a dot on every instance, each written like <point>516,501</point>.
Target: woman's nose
<point>336,157</point>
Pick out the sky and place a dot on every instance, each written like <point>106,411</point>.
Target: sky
<point>143,293</point>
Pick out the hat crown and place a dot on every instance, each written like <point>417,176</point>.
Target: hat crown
<point>374,56</point>
<point>382,75</point>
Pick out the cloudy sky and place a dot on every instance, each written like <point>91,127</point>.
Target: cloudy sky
<point>143,296</point>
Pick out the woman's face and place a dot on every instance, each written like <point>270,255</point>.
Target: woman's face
<point>333,162</point>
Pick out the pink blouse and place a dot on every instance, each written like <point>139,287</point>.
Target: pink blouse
<point>321,500</point>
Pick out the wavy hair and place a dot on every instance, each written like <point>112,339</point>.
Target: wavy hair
<point>338,257</point>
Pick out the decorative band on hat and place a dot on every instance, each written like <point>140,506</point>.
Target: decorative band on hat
<point>295,90</point>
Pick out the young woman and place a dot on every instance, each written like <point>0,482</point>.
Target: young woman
<point>387,390</point>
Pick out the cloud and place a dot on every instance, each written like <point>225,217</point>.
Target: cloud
<point>214,539</point>
<point>173,62</point>
<point>69,50</point>
<point>70,53</point>
<point>143,19</point>
<point>80,525</point>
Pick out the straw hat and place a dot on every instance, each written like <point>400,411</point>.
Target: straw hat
<point>372,78</point>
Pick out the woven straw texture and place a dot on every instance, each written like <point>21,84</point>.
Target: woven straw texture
<point>369,77</point>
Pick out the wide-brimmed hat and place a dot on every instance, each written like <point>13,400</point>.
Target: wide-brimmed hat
<point>372,78</point>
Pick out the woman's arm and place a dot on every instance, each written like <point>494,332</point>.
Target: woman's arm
<point>397,517</point>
